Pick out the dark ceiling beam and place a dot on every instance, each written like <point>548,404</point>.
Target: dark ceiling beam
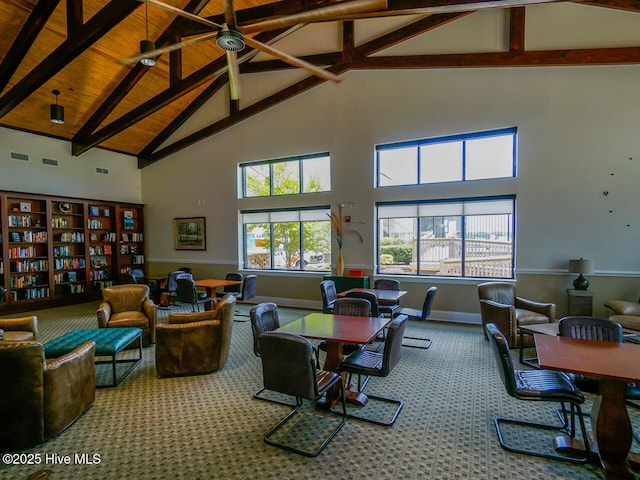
<point>80,141</point>
<point>237,117</point>
<point>25,38</point>
<point>586,56</point>
<point>348,40</point>
<point>75,17</point>
<point>188,84</point>
<point>626,5</point>
<point>516,29</point>
<point>97,26</point>
<point>192,108</point>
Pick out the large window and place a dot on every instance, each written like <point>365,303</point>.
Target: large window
<point>453,158</point>
<point>456,238</point>
<point>287,239</point>
<point>288,176</point>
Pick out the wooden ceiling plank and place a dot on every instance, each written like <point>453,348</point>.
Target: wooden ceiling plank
<point>184,115</point>
<point>235,118</point>
<point>80,141</point>
<point>348,40</point>
<point>516,29</point>
<point>586,56</point>
<point>196,79</point>
<point>103,21</point>
<point>24,40</point>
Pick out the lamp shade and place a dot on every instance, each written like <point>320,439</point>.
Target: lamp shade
<point>57,113</point>
<point>582,266</point>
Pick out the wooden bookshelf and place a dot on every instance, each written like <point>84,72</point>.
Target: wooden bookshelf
<point>59,250</point>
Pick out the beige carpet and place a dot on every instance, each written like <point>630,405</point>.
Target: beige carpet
<point>210,427</point>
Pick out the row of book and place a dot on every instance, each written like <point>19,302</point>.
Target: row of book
<point>105,237</point>
<point>31,266</point>
<point>69,262</point>
<point>29,293</point>
<point>95,224</point>
<point>23,252</point>
<point>101,284</point>
<point>98,275</point>
<point>21,221</point>
<point>23,281</point>
<point>94,211</point>
<point>132,237</point>
<point>64,277</point>
<point>72,237</point>
<point>29,236</point>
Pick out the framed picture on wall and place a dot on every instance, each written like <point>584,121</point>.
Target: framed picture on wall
<point>190,233</point>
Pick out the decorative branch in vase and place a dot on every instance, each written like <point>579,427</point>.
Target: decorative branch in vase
<point>340,232</point>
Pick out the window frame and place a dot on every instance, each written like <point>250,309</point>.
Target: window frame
<point>462,137</point>
<point>463,239</point>
<point>295,158</point>
<point>244,260</point>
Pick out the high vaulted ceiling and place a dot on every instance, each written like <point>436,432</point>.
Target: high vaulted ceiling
<point>78,48</point>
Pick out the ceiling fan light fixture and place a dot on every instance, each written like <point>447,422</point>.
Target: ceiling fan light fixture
<point>145,47</point>
<point>57,111</point>
<point>230,39</point>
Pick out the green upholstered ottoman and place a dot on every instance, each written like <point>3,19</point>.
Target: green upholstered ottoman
<point>109,342</point>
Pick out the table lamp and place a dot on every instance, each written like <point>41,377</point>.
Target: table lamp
<point>581,266</point>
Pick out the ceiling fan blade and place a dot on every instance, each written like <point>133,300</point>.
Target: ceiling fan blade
<point>168,48</point>
<point>234,75</point>
<point>317,15</point>
<point>181,13</point>
<point>291,60</point>
<point>229,13</point>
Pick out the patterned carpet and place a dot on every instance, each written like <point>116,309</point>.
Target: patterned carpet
<point>210,427</point>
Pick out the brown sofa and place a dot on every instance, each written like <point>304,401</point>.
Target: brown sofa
<point>500,305</point>
<point>40,397</point>
<point>195,343</point>
<point>19,329</point>
<point>129,306</point>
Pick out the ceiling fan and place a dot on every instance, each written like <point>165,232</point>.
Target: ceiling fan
<point>232,38</point>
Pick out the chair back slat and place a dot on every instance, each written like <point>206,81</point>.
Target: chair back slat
<point>288,365</point>
<point>590,328</point>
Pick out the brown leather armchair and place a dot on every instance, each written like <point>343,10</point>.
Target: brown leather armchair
<point>19,329</point>
<point>42,397</point>
<point>195,343</point>
<point>500,305</point>
<point>625,313</point>
<point>129,306</point>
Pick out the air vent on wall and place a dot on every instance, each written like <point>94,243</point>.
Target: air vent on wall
<point>49,161</point>
<point>103,171</point>
<point>19,156</point>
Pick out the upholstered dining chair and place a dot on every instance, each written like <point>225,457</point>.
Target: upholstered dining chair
<point>500,305</point>
<point>389,308</point>
<point>288,367</point>
<point>423,315</point>
<point>186,292</point>
<point>375,364</point>
<point>247,292</point>
<point>370,297</point>
<point>540,386</point>
<point>264,318</point>
<point>234,290</point>
<point>589,328</point>
<point>329,295</point>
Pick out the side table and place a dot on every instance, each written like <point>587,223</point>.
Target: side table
<point>580,302</point>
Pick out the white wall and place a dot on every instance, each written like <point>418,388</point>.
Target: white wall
<point>74,176</point>
<point>576,127</point>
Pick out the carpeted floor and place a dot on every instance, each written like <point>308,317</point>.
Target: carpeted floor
<point>210,427</point>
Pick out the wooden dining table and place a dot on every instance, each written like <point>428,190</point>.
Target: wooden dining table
<point>337,330</point>
<point>211,285</point>
<point>615,365</point>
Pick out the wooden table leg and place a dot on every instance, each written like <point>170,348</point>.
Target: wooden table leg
<point>334,355</point>
<point>612,429</point>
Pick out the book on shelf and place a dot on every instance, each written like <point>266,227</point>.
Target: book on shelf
<point>94,211</point>
<point>124,249</point>
<point>72,276</point>
<point>128,214</point>
<point>107,249</point>
<point>98,261</point>
<point>129,224</point>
